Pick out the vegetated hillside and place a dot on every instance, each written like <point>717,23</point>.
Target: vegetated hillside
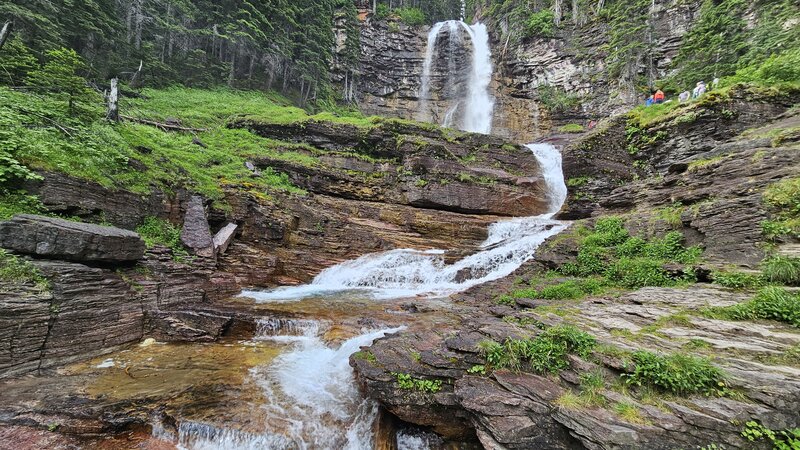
<point>274,44</point>
<point>714,39</point>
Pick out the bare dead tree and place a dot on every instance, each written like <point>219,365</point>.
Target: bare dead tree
<point>113,101</point>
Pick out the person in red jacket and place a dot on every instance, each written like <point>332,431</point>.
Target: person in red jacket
<point>658,97</point>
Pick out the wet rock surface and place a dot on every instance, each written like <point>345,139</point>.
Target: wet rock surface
<point>48,237</point>
<point>717,204</point>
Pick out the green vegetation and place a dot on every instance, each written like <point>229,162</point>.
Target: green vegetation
<point>38,132</point>
<point>578,182</point>
<point>411,16</point>
<point>572,128</point>
<point>737,280</point>
<point>557,100</point>
<point>629,261</point>
<point>366,355</point>
<point>567,290</point>
<point>782,269</point>
<point>540,24</point>
<point>18,202</point>
<point>770,303</point>
<point>196,42</point>
<point>675,374</point>
<point>783,200</point>
<point>156,231</point>
<point>547,353</point>
<point>406,381</point>
<point>17,271</point>
<point>629,413</point>
<point>781,440</point>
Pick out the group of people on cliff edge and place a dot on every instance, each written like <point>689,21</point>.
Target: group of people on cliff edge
<point>699,90</point>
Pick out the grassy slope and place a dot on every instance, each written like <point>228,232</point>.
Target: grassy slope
<point>38,133</point>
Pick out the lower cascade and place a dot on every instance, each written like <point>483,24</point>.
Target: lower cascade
<point>408,273</point>
<point>312,400</point>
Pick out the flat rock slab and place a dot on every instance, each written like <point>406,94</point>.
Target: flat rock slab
<point>75,241</point>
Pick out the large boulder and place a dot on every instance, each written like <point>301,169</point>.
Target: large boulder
<point>196,233</point>
<point>75,241</point>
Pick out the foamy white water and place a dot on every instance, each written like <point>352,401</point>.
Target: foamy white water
<point>312,400</point>
<point>425,82</point>
<point>478,109</point>
<point>480,103</point>
<point>311,391</point>
<point>408,273</point>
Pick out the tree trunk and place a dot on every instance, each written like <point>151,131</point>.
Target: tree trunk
<point>113,101</point>
<point>5,33</point>
<point>557,12</point>
<point>135,77</point>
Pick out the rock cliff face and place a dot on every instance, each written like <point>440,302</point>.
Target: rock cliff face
<point>526,74</point>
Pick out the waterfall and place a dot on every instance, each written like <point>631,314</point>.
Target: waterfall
<point>425,83</point>
<point>479,106</point>
<point>409,273</point>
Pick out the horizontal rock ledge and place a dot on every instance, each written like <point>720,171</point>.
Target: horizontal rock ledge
<point>74,241</point>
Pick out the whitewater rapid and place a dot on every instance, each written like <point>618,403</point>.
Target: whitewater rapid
<point>413,273</point>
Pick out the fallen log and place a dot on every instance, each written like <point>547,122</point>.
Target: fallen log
<point>162,125</point>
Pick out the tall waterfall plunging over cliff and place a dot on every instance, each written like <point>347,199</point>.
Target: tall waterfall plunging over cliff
<point>468,104</point>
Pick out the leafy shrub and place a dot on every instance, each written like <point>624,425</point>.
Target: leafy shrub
<point>541,24</point>
<point>676,373</point>
<point>782,269</point>
<point>547,353</point>
<point>556,99</point>
<point>382,11</point>
<point>629,261</point>
<point>778,68</point>
<point>571,289</point>
<point>771,303</point>
<point>18,202</point>
<point>411,16</point>
<point>634,273</point>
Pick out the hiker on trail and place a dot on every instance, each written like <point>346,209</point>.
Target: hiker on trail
<point>715,83</point>
<point>659,97</point>
<point>592,124</point>
<point>649,101</point>
<point>684,97</point>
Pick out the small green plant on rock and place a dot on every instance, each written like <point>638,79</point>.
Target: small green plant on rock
<point>771,303</point>
<point>156,231</point>
<point>737,280</point>
<point>547,353</point>
<point>781,440</point>
<point>406,381</point>
<point>677,374</point>
<point>782,269</point>
<point>17,271</point>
